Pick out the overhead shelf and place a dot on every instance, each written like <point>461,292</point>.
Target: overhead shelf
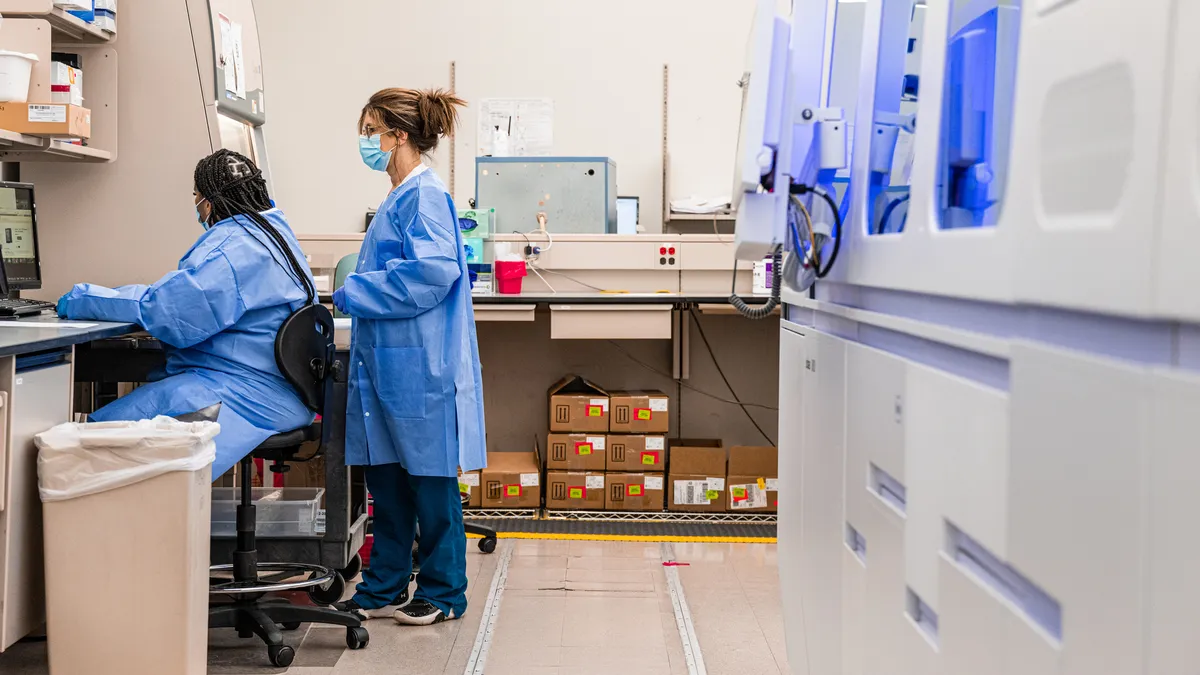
<point>706,217</point>
<point>16,147</point>
<point>67,27</point>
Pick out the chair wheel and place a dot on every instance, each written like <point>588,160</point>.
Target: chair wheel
<point>330,595</point>
<point>357,637</point>
<point>487,545</point>
<point>291,625</point>
<point>352,568</point>
<point>281,656</point>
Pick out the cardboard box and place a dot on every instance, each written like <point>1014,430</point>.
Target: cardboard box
<point>66,84</point>
<point>640,412</point>
<point>575,490</point>
<point>633,491</point>
<point>54,120</point>
<point>752,483</point>
<point>578,405</point>
<point>633,453</point>
<point>697,478</point>
<point>512,480</point>
<point>576,452</point>
<point>470,484</point>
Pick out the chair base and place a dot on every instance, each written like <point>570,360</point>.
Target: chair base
<point>269,617</point>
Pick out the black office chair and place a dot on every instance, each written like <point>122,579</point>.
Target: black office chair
<point>304,352</point>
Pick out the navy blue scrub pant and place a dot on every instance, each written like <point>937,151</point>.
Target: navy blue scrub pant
<point>401,501</point>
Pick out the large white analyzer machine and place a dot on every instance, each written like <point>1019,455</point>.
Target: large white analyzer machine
<point>988,406</point>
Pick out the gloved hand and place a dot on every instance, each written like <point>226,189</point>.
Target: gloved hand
<point>61,308</point>
<point>339,300</point>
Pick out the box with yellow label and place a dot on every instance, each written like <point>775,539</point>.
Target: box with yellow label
<point>636,452</point>
<point>512,480</point>
<point>471,487</point>
<point>640,412</point>
<point>634,491</point>
<point>574,490</point>
<point>576,452</point>
<point>577,405</point>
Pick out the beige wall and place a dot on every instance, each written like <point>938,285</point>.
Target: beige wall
<point>601,62</point>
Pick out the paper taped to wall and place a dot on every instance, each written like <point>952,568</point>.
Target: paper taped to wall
<point>516,127</point>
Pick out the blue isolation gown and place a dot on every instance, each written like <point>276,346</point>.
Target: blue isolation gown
<point>416,392</point>
<point>218,315</point>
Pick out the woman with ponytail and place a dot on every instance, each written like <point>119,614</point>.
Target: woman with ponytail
<point>416,396</point>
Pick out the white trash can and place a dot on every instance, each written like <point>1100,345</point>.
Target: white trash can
<point>126,521</point>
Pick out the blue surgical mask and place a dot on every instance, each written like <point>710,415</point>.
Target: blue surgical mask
<point>372,154</point>
<point>200,217</point>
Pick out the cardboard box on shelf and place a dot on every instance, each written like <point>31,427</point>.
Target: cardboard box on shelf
<point>469,484</point>
<point>576,452</point>
<point>633,491</point>
<point>575,490</point>
<point>512,480</point>
<point>636,452</point>
<point>578,405</point>
<point>54,120</point>
<point>640,412</point>
<point>753,479</point>
<point>66,84</point>
<point>697,478</point>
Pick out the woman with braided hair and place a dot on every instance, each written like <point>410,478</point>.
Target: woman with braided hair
<point>217,314</point>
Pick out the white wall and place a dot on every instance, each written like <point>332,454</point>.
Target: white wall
<point>601,63</point>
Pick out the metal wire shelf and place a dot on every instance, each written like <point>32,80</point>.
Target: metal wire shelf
<point>492,514</point>
<point>662,517</point>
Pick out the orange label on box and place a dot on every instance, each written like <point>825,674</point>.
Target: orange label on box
<point>512,490</point>
<point>642,414</point>
<point>762,484</point>
<point>650,458</point>
<point>595,411</point>
<point>576,493</point>
<point>634,491</point>
<point>583,448</point>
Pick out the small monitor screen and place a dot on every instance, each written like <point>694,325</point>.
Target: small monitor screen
<point>18,237</point>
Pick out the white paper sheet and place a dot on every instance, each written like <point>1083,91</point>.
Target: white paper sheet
<point>61,325</point>
<point>524,125</point>
<point>232,56</point>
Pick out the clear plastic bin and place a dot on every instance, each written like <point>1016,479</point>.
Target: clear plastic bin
<point>279,512</point>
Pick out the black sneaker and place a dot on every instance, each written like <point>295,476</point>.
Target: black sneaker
<point>421,613</point>
<point>352,607</point>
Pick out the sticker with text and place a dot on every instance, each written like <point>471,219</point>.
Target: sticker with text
<point>649,458</point>
<point>634,490</point>
<point>583,449</point>
<point>642,414</point>
<point>512,490</point>
<point>577,492</point>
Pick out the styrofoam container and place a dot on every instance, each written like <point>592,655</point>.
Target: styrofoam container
<point>16,69</point>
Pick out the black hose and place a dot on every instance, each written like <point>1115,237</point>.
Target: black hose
<point>837,237</point>
<point>764,310</point>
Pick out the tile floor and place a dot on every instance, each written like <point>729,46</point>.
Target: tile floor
<point>573,607</point>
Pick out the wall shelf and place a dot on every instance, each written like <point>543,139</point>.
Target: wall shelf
<point>703,217</point>
<point>68,28</point>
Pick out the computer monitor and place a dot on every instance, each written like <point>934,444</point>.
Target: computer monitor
<point>18,237</point>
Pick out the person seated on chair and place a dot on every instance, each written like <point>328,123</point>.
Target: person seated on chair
<point>217,315</point>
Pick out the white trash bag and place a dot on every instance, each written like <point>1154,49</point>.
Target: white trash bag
<point>76,460</point>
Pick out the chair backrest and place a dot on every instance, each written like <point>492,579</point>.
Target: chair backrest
<point>344,267</point>
<point>304,353</point>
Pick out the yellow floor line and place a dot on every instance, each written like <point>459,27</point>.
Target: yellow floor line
<point>630,537</point>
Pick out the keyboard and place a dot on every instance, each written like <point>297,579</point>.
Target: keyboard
<point>20,307</point>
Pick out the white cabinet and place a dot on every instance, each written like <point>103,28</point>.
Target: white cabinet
<point>792,358</point>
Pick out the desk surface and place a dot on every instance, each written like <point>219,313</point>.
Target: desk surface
<point>597,298</point>
<point>35,334</point>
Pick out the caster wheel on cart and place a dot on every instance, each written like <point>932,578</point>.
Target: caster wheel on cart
<point>329,595</point>
<point>357,637</point>
<point>291,625</point>
<point>487,545</point>
<point>352,568</point>
<point>281,656</point>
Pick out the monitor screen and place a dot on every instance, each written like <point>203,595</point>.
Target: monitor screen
<point>18,237</point>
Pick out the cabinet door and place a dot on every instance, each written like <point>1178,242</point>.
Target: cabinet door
<point>792,359</point>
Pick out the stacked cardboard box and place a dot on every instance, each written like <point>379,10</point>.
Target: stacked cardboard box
<point>752,484</point>
<point>637,452</point>
<point>512,480</point>
<point>697,479</point>
<point>576,444</point>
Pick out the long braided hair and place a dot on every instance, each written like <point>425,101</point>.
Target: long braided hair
<point>235,188</point>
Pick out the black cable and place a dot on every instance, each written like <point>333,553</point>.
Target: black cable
<point>764,310</point>
<point>887,213</point>
<point>837,237</point>
<point>656,371</point>
<point>712,355</point>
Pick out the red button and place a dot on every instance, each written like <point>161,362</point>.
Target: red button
<point>672,250</point>
<point>662,250</point>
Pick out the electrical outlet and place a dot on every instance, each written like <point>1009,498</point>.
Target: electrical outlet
<point>667,255</point>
